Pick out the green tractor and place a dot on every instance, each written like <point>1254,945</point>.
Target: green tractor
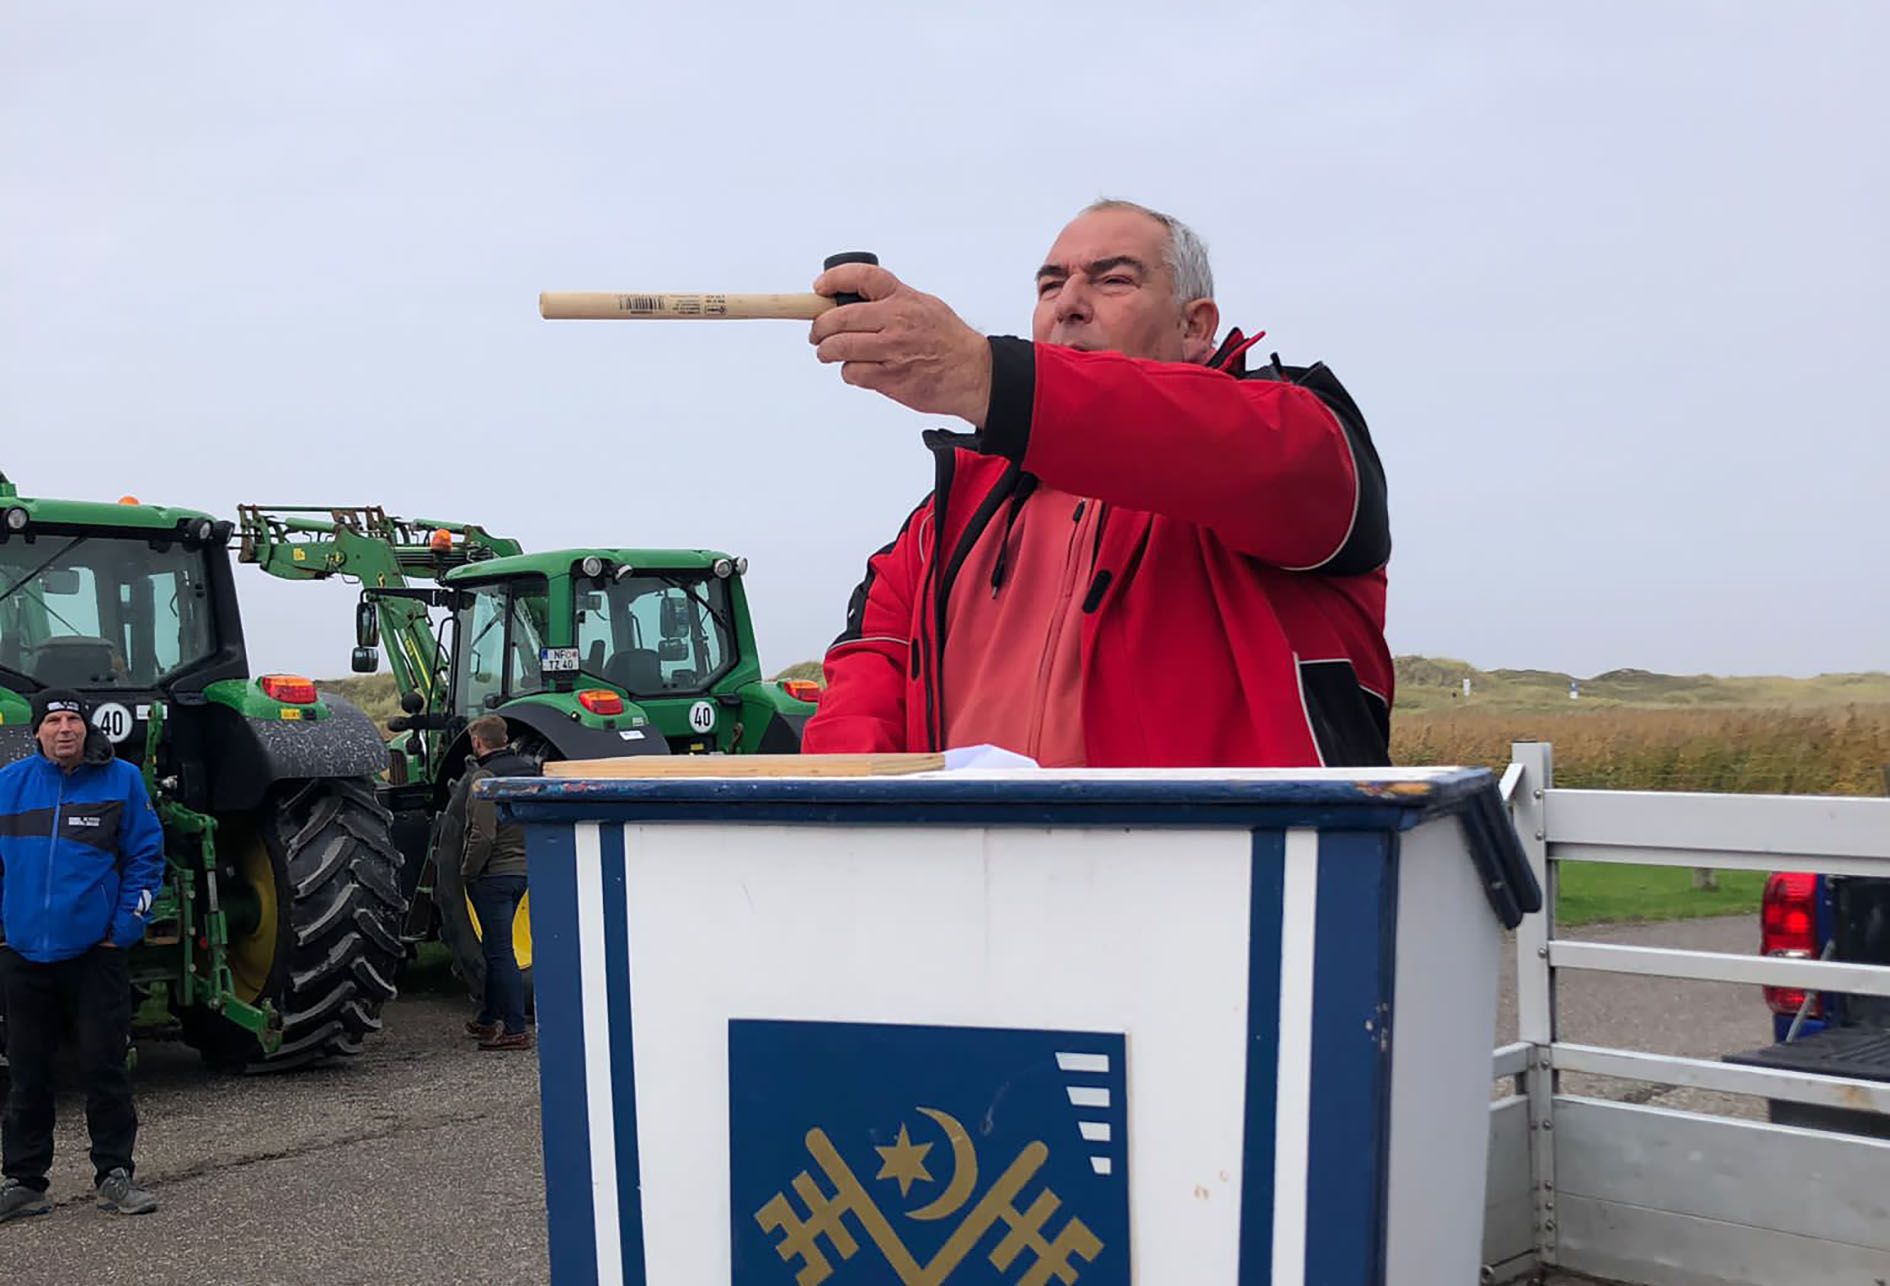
<point>276,938</point>
<point>585,653</point>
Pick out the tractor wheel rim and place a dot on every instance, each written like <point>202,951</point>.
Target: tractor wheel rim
<point>253,954</point>
<point>521,929</point>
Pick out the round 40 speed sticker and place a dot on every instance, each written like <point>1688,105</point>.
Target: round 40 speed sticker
<point>702,717</point>
<point>114,720</point>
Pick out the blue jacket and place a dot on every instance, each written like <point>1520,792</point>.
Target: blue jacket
<point>81,856</point>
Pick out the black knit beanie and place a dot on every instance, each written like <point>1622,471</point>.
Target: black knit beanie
<point>51,699</point>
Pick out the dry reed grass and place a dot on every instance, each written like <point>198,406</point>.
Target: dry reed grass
<point>1836,750</point>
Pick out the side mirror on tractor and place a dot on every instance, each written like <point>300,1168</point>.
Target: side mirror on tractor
<point>366,660</point>
<point>63,581</point>
<point>367,625</point>
<point>674,617</point>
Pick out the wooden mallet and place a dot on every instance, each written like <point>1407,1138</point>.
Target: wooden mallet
<point>599,305</point>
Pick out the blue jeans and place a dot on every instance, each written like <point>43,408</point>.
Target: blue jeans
<point>495,900</point>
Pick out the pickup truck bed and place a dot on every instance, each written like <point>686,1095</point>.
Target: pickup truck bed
<point>1853,1039</point>
<point>1863,1052</point>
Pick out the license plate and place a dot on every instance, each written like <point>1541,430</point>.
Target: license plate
<point>558,660</point>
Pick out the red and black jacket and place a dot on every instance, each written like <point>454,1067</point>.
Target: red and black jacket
<point>1236,613</point>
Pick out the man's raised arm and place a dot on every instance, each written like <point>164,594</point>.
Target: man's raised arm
<point>1268,466</point>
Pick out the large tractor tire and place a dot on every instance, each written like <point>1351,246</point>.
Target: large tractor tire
<point>325,943</point>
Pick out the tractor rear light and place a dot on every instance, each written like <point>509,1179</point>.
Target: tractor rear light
<point>290,689</point>
<point>801,689</point>
<point>600,701</point>
<point>1788,919</point>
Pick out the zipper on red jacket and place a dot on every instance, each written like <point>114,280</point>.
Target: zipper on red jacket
<point>943,443</point>
<point>974,530</point>
<point>1026,485</point>
<point>1099,576</point>
<point>1100,581</point>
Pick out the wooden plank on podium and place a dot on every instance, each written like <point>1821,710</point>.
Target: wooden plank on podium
<point>887,765</point>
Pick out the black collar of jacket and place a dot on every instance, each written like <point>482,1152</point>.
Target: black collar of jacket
<point>506,762</point>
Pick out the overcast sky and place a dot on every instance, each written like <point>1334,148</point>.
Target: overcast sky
<point>1610,281</point>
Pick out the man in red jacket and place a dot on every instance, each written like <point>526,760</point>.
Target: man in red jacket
<point>1143,555</point>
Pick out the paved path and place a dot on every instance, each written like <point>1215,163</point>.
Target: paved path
<point>1658,1015</point>
<point>417,1161</point>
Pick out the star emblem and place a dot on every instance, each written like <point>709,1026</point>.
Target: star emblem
<point>904,1161</point>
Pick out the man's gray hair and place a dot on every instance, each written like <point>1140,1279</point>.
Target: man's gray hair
<point>1186,254</point>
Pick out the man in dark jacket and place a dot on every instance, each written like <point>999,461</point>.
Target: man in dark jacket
<point>1144,555</point>
<point>493,867</point>
<point>81,859</point>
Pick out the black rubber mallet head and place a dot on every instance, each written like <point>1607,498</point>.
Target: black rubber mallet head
<point>850,256</point>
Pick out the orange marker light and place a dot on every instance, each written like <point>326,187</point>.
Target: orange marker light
<point>290,689</point>
<point>801,689</point>
<point>600,701</point>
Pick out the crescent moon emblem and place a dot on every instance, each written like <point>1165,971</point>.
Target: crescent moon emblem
<point>964,1169</point>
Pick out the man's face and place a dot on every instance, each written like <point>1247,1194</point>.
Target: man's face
<point>1106,287</point>
<point>62,737</point>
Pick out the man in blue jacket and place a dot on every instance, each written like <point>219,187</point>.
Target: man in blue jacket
<point>81,858</point>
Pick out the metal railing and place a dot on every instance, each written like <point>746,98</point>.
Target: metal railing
<point>1646,1194</point>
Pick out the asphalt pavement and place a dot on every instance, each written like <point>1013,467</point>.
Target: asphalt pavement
<point>420,1161</point>
<point>416,1161</point>
<point>1655,1015</point>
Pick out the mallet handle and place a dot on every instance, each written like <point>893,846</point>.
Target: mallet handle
<point>597,304</point>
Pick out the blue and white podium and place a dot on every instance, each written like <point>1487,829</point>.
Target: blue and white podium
<point>1178,1028</point>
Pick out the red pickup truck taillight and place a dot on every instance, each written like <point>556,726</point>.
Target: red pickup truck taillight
<point>1788,926</point>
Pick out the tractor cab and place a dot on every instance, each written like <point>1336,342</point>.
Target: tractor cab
<point>648,634</point>
<point>617,641</point>
<point>125,603</point>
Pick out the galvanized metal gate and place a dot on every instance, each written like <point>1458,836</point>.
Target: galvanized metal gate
<point>1644,1194</point>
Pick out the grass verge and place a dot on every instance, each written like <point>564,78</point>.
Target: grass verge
<point>1599,892</point>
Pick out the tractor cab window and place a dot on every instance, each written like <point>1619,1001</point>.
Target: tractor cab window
<point>499,639</point>
<point>656,634</point>
<point>99,612</point>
